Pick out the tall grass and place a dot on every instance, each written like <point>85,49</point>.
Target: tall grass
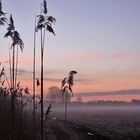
<point>21,99</point>
<point>16,42</point>
<point>44,23</point>
<point>22,129</point>
<point>34,72</point>
<point>66,88</point>
<point>3,19</point>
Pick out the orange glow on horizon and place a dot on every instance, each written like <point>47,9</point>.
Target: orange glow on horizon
<point>126,98</point>
<point>81,87</point>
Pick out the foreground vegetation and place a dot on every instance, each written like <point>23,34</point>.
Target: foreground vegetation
<point>22,129</point>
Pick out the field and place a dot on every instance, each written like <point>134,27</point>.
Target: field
<point>84,122</point>
<point>113,122</point>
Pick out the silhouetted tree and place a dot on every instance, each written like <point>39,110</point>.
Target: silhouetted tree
<point>54,93</point>
<point>79,99</point>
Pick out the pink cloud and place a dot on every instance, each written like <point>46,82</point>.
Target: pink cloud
<point>103,56</point>
<point>120,55</point>
<point>23,59</point>
<point>79,57</point>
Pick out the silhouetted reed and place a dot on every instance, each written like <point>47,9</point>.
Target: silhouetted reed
<point>21,100</point>
<point>34,75</point>
<point>16,42</point>
<point>3,19</point>
<point>44,23</point>
<point>66,88</point>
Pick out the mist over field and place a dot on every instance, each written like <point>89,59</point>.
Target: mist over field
<point>117,122</point>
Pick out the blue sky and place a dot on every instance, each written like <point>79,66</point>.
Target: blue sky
<point>98,38</point>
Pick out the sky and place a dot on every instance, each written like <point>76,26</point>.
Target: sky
<point>100,39</point>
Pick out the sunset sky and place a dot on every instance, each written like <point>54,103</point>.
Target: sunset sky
<point>98,38</point>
